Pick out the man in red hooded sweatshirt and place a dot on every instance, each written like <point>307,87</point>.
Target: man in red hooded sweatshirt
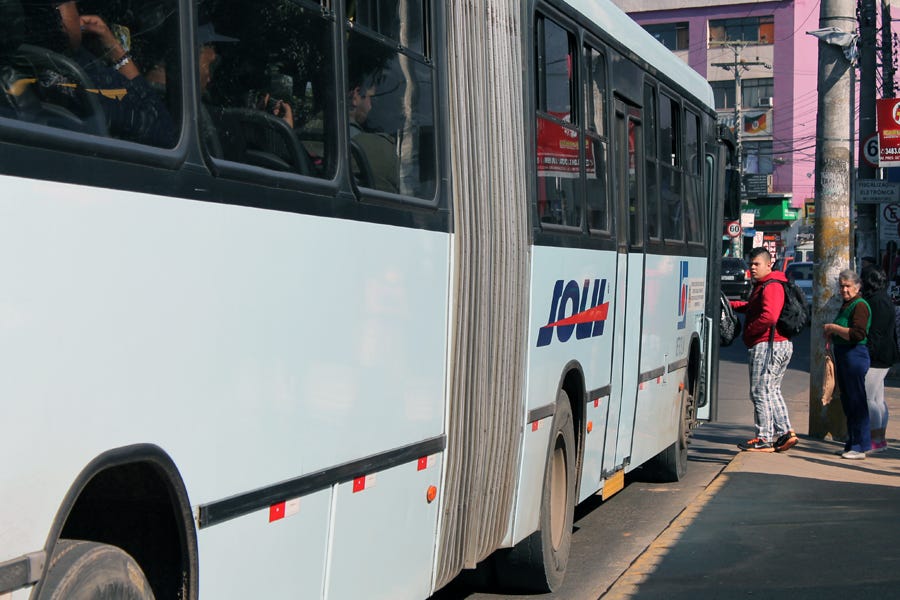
<point>769,353</point>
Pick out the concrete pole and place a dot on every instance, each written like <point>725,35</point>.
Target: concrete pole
<point>887,50</point>
<point>866,214</point>
<point>833,231</point>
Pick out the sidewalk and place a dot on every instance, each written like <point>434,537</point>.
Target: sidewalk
<point>804,524</point>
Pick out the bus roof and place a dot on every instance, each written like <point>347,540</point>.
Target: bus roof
<point>621,27</point>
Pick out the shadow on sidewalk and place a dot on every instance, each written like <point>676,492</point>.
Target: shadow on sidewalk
<point>766,535</point>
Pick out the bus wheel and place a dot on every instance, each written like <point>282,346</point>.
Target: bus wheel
<point>91,571</point>
<point>670,465</point>
<point>538,563</point>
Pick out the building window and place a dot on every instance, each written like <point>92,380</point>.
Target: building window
<point>755,30</point>
<point>673,36</point>
<point>754,93</point>
<point>758,157</point>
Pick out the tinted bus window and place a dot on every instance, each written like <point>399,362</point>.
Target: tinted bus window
<point>390,99</point>
<point>400,20</point>
<point>89,68</point>
<point>694,223</point>
<point>558,161</point>
<point>650,176</point>
<point>670,192</point>
<point>595,147</point>
<point>267,82</point>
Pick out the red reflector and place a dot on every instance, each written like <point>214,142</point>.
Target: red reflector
<point>276,511</point>
<point>597,403</point>
<point>359,484</point>
<point>534,426</point>
<point>423,464</point>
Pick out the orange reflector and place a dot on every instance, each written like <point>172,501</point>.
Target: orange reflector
<point>431,494</point>
<point>590,426</point>
<point>681,386</point>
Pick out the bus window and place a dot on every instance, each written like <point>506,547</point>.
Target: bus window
<point>595,143</point>
<point>390,99</point>
<point>399,20</point>
<point>693,221</point>
<point>650,154</point>
<point>85,71</point>
<point>558,162</point>
<point>266,78</point>
<point>670,193</point>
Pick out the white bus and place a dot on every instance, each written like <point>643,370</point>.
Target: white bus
<point>337,298</point>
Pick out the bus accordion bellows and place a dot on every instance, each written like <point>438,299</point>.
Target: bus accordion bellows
<point>338,298</point>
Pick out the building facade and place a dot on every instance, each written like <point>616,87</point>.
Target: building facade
<point>762,50</point>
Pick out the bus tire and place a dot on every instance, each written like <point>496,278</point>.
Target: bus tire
<point>538,563</point>
<point>670,465</point>
<point>80,570</point>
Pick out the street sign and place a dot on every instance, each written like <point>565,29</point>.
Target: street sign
<point>876,191</point>
<point>888,112</point>
<point>733,229</point>
<point>870,150</point>
<point>748,219</point>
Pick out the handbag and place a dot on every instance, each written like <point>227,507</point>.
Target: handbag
<point>729,323</point>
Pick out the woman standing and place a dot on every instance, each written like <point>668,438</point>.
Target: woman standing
<point>847,335</point>
<point>882,343</point>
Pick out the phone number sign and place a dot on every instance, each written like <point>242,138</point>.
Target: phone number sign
<point>888,111</point>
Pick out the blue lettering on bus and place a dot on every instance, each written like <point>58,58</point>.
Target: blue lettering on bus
<point>575,309</point>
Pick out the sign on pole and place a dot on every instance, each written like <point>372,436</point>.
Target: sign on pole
<point>888,111</point>
<point>734,229</point>
<point>876,191</point>
<point>871,151</point>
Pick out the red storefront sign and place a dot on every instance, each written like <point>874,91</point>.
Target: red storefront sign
<point>888,110</point>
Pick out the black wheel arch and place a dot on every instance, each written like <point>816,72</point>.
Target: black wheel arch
<point>134,498</point>
<point>572,381</point>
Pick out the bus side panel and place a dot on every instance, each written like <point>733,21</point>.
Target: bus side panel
<point>673,312</point>
<point>566,281</point>
<point>372,516</point>
<point>299,532</point>
<point>253,346</point>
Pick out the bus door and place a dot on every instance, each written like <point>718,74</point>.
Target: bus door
<point>629,287</point>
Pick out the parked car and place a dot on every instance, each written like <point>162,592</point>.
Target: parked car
<point>736,282</point>
<point>801,273</point>
<point>782,263</point>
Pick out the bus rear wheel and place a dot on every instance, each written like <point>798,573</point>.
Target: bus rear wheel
<point>538,563</point>
<point>82,570</point>
<point>670,465</point>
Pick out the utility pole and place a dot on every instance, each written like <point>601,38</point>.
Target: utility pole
<point>738,65</point>
<point>887,50</point>
<point>866,231</point>
<point>837,22</point>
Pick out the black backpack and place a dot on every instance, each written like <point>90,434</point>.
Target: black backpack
<point>795,312</point>
<point>729,324</point>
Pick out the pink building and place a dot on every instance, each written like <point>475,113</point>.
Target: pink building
<point>777,64</point>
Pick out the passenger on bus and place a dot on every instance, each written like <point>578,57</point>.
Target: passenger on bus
<point>377,150</point>
<point>131,108</point>
<point>224,140</point>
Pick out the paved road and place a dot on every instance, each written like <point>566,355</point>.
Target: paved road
<point>610,536</point>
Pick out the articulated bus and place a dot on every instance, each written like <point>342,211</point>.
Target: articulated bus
<point>339,298</point>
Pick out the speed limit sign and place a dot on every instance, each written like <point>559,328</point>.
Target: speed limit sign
<point>870,150</point>
<point>734,229</point>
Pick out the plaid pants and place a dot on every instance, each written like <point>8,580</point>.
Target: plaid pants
<point>766,372</point>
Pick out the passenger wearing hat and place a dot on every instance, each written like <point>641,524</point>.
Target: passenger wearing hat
<point>132,110</point>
